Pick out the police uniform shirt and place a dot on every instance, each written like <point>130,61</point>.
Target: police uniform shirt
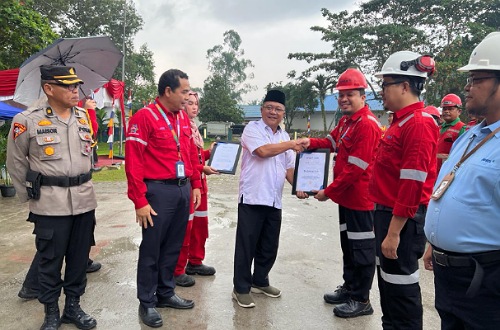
<point>465,218</point>
<point>262,179</point>
<point>42,142</point>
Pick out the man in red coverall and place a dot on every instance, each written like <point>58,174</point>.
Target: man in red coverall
<point>161,160</point>
<point>451,128</point>
<point>355,139</point>
<point>404,173</point>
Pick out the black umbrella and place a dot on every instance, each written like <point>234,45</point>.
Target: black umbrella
<point>94,59</point>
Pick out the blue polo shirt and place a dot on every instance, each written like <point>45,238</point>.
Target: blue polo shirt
<point>466,219</point>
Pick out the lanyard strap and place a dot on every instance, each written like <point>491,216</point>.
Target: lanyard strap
<point>479,145</point>
<point>175,135</point>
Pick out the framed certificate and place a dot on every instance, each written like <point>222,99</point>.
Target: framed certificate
<point>225,156</point>
<point>311,171</point>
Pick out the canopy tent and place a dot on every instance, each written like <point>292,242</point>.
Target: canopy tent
<point>8,80</point>
<point>8,111</point>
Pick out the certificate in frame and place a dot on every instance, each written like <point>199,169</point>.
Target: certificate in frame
<point>311,171</point>
<point>225,156</point>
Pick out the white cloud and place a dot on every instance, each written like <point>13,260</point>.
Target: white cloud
<point>180,33</point>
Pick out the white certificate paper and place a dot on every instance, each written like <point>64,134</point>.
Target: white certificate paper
<point>225,157</point>
<point>311,171</point>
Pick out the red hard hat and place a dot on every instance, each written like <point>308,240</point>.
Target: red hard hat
<point>451,100</point>
<point>351,79</point>
<point>433,111</point>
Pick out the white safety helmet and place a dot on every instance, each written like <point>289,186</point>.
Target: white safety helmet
<point>485,56</point>
<point>407,63</point>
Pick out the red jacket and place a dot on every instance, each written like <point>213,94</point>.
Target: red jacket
<point>447,136</point>
<point>355,139</point>
<point>203,155</point>
<point>405,165</point>
<point>151,151</point>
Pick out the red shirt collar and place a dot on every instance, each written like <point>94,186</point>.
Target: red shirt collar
<point>407,110</point>
<point>364,110</point>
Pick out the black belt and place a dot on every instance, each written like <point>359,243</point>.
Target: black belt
<point>177,182</point>
<point>65,181</point>
<point>447,259</point>
<point>380,207</point>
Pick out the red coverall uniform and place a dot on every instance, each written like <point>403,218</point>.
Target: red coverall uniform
<point>447,135</point>
<point>193,247</point>
<point>355,139</point>
<point>150,164</point>
<point>403,177</point>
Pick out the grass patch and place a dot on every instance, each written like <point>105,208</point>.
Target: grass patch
<point>109,175</point>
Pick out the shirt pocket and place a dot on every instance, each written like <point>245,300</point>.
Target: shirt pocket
<point>49,147</point>
<point>481,181</point>
<point>163,141</point>
<point>85,143</point>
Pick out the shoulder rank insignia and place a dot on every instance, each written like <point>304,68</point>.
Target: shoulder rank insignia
<point>82,121</point>
<point>49,112</point>
<point>44,122</point>
<point>18,130</point>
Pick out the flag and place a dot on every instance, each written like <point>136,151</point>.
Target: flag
<point>111,128</point>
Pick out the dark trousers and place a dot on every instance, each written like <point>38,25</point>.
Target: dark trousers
<point>457,311</point>
<point>257,240</point>
<point>161,244</point>
<point>58,239</point>
<point>400,296</point>
<point>357,241</point>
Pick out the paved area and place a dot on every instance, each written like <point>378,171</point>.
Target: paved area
<point>308,265</point>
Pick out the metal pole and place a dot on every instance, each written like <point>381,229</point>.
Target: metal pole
<point>120,150</point>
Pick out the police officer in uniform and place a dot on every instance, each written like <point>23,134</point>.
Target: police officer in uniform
<point>48,157</point>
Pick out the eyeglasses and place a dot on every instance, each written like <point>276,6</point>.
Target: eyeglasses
<point>70,88</point>
<point>385,84</point>
<point>271,108</point>
<point>472,80</point>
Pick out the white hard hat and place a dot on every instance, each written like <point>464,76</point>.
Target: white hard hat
<point>485,56</point>
<point>393,65</point>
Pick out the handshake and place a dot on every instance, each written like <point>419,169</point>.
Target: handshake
<point>300,145</point>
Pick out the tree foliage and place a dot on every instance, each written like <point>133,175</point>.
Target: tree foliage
<point>217,103</point>
<point>227,61</point>
<point>23,32</point>
<point>366,37</point>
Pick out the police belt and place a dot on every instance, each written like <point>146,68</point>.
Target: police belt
<point>450,259</point>
<point>176,182</point>
<point>65,181</point>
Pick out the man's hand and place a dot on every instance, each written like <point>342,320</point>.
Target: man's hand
<point>208,170</point>
<point>196,197</point>
<point>143,216</point>
<point>390,246</point>
<point>90,104</point>
<point>297,146</point>
<point>305,142</point>
<point>320,195</point>
<point>301,195</point>
<point>428,258</point>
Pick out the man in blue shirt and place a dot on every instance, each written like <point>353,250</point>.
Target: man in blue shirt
<point>462,222</point>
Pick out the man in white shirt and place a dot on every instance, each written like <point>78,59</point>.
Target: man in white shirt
<point>268,159</point>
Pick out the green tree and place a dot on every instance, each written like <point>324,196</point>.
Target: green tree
<point>23,32</point>
<point>217,104</point>
<point>322,84</point>
<point>227,61</point>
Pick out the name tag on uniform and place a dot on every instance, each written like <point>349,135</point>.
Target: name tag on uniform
<point>441,189</point>
<point>179,170</point>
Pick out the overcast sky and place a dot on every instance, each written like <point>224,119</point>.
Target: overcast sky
<point>180,32</point>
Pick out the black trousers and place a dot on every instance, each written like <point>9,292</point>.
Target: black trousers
<point>400,296</point>
<point>257,241</point>
<point>357,241</point>
<point>161,244</point>
<point>460,312</point>
<point>58,239</point>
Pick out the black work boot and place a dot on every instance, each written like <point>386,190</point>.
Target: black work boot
<point>52,319</point>
<point>73,313</point>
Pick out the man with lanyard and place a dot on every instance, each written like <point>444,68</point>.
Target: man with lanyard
<point>161,160</point>
<point>48,157</point>
<point>462,223</point>
<point>451,128</point>
<point>268,159</point>
<point>403,175</point>
<point>355,139</point>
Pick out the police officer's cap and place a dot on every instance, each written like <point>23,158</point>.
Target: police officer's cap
<point>65,75</point>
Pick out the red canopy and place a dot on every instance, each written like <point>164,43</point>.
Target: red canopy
<point>8,80</point>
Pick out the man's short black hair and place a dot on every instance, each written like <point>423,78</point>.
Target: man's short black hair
<point>416,83</point>
<point>170,78</point>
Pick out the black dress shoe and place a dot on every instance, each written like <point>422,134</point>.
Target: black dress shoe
<point>202,270</point>
<point>353,308</point>
<point>150,317</point>
<point>28,293</point>
<point>339,296</point>
<point>94,266</point>
<point>184,280</point>
<point>175,302</point>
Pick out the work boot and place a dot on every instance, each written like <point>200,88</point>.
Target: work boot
<point>28,293</point>
<point>184,280</point>
<point>52,319</point>
<point>201,269</point>
<point>73,313</point>
<point>353,308</point>
<point>339,296</point>
<point>93,266</point>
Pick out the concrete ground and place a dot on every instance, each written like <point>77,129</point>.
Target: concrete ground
<point>308,265</point>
